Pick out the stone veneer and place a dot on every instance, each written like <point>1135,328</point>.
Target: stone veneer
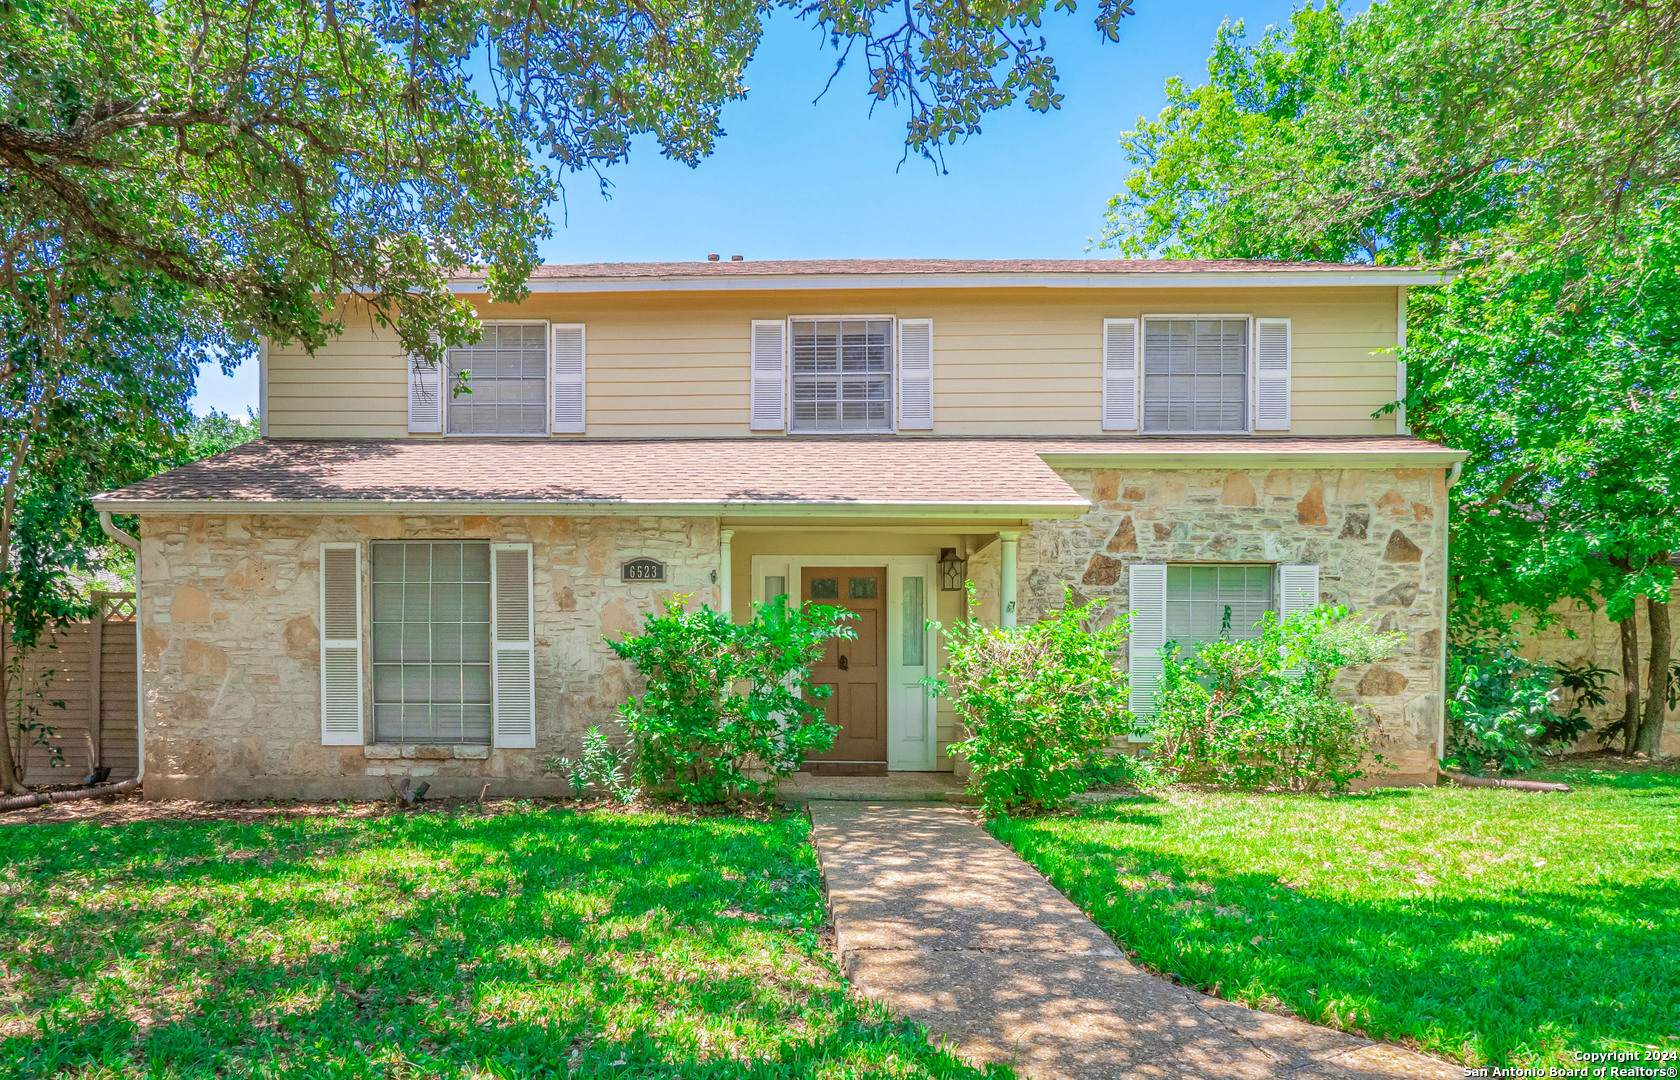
<point>1377,536</point>
<point>232,648</point>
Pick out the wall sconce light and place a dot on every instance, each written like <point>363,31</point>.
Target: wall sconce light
<point>953,570</point>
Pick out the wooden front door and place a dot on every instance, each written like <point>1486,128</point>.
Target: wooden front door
<point>855,669</point>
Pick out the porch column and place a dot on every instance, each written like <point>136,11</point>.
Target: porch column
<point>1006,578</point>
<point>724,537</point>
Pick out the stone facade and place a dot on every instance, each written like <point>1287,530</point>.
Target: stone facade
<point>231,648</point>
<point>1377,536</point>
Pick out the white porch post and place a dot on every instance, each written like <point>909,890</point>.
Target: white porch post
<point>1006,578</point>
<point>724,537</point>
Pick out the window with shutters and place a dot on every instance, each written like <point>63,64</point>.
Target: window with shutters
<point>431,642</point>
<point>1195,374</point>
<point>1208,602</point>
<point>507,373</point>
<point>842,374</point>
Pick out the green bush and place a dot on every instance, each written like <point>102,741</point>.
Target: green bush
<point>1505,713</point>
<point>729,708</point>
<point>1039,702</point>
<point>1260,714</point>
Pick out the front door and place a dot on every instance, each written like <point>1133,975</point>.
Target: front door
<point>856,670</point>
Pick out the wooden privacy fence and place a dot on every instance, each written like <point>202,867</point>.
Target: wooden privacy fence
<point>90,668</point>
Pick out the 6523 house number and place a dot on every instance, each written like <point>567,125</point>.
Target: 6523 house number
<point>643,570</point>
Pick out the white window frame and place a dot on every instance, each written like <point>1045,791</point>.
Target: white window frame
<point>1274,584</point>
<point>447,398</point>
<point>371,724</point>
<point>1248,373</point>
<point>788,375</point>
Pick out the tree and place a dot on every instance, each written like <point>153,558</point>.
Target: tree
<point>264,154</point>
<point>1420,129</point>
<point>1532,148</point>
<point>90,404</point>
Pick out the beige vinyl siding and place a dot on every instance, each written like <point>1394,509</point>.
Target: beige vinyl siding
<point>1006,361</point>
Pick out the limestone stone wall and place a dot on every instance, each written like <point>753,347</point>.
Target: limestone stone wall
<point>1581,634</point>
<point>231,647</point>
<point>1376,535</point>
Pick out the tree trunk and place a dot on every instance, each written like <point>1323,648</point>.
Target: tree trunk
<point>11,781</point>
<point>1656,686</point>
<point>1630,681</point>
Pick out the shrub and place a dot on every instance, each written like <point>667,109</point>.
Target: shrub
<point>1039,704</point>
<point>1506,712</point>
<point>600,766</point>
<point>1260,714</point>
<point>729,708</point>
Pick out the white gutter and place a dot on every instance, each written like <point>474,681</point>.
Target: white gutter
<point>1204,279</point>
<point>1165,457</point>
<point>883,508</point>
<point>129,541</point>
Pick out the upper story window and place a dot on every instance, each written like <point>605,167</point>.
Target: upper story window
<point>1195,374</point>
<point>841,374</point>
<point>507,372</point>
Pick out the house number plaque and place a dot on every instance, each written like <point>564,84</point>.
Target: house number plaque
<point>643,570</point>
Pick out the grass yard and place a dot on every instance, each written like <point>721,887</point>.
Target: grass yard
<point>1485,926</point>
<point>512,941</point>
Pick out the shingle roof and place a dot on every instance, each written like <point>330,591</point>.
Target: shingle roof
<point>805,267</point>
<point>852,473</point>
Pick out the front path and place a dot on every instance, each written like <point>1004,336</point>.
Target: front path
<point>947,927</point>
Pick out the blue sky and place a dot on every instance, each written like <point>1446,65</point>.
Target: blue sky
<point>791,179</point>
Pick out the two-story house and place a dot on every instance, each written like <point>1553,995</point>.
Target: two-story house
<point>402,580</point>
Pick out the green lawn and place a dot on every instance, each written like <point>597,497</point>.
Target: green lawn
<point>1485,926</point>
<point>516,942</point>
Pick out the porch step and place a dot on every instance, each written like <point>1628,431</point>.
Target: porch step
<point>905,787</point>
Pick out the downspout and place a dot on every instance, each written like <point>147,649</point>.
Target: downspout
<point>1446,582</point>
<point>133,544</point>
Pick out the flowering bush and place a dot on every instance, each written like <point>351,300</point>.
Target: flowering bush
<point>1039,702</point>
<point>729,708</point>
<point>1259,714</point>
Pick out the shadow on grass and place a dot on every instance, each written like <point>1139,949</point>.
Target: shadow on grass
<point>517,944</point>
<point>1496,975</point>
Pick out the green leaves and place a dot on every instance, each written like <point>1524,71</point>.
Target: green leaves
<point>1039,703</point>
<point>1261,714</point>
<point>729,707</point>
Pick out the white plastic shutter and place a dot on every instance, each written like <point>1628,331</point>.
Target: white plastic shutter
<point>915,374</point>
<point>1297,592</point>
<point>341,645</point>
<point>1271,375</point>
<point>1297,588</point>
<point>565,355</point>
<point>514,688</point>
<point>425,396</point>
<point>1147,592</point>
<point>1120,374</point>
<point>769,375</point>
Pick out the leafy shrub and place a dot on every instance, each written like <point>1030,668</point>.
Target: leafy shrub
<point>1504,712</point>
<point>600,766</point>
<point>729,708</point>
<point>1039,704</point>
<point>1260,714</point>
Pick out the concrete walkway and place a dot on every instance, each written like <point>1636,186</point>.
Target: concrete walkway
<point>948,927</point>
